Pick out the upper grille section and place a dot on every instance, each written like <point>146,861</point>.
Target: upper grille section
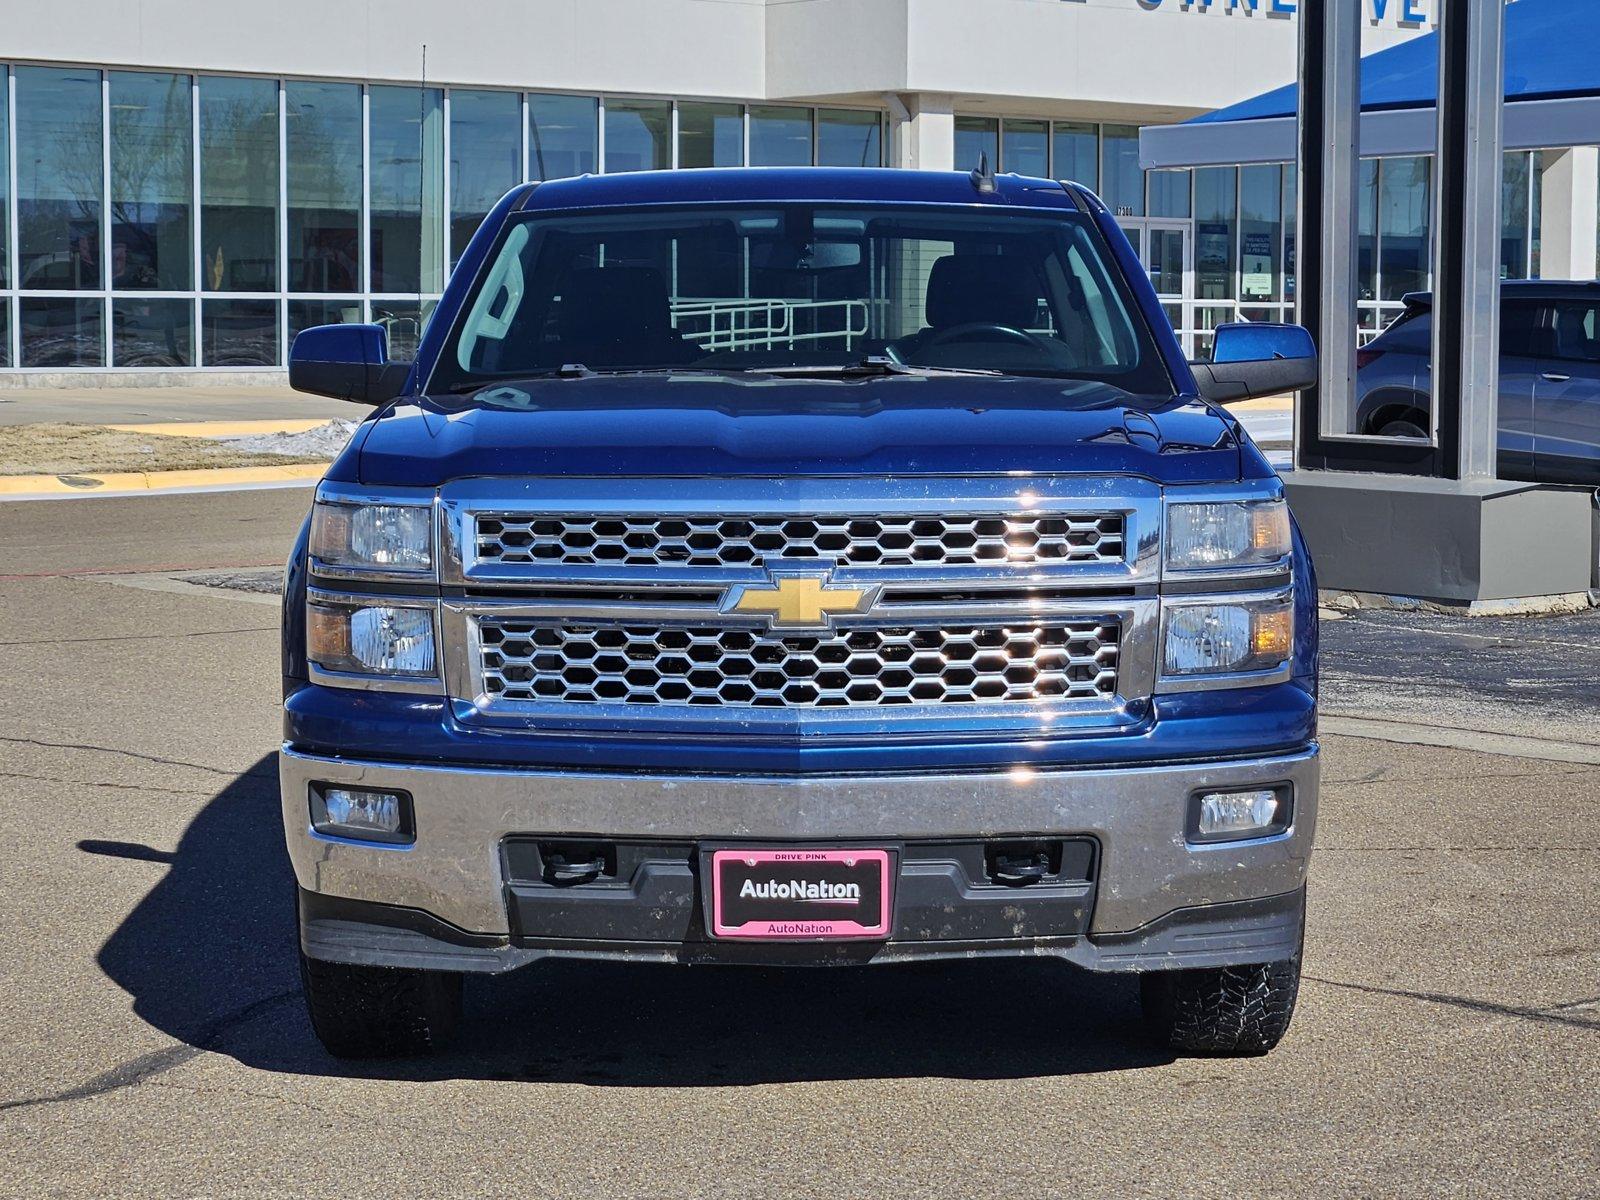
<point>840,541</point>
<point>719,666</point>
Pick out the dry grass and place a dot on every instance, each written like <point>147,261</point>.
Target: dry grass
<point>61,448</point>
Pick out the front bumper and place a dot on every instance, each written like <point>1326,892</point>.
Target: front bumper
<point>447,895</point>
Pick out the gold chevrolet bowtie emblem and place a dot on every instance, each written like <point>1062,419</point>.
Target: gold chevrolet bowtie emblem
<point>800,601</point>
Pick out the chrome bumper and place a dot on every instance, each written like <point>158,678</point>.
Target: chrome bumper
<point>1147,869</point>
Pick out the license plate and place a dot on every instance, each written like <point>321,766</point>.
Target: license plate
<point>783,895</point>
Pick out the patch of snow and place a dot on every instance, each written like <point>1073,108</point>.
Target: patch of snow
<point>324,441</point>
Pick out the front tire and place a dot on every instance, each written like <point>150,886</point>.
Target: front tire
<point>1402,427</point>
<point>1234,1012</point>
<point>380,1012</point>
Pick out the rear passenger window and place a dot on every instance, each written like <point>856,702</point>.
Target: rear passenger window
<point>1575,328</point>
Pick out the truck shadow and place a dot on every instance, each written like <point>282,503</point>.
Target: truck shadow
<point>208,957</point>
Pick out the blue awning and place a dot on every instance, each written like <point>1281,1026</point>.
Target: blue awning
<point>1552,52</point>
<point>1552,89</point>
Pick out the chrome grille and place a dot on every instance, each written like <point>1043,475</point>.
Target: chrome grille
<point>730,667</point>
<point>845,541</point>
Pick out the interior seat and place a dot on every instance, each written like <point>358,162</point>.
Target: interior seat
<point>619,317</point>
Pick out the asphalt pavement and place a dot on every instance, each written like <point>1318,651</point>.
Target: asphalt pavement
<point>1447,1042</point>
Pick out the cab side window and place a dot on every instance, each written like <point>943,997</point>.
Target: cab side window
<point>1574,330</point>
<point>1525,331</point>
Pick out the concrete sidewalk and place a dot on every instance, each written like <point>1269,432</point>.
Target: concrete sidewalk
<point>151,405</point>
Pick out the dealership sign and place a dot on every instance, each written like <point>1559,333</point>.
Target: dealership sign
<point>1406,12</point>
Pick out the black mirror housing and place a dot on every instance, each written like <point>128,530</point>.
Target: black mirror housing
<point>1257,358</point>
<point>346,362</point>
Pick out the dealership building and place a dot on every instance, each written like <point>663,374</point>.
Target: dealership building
<point>188,183</point>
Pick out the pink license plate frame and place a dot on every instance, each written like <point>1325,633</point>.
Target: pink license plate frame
<point>826,925</point>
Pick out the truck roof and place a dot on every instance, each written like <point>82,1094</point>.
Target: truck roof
<point>1521,289</point>
<point>776,184</point>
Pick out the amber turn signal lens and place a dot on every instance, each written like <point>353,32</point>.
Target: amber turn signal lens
<point>1272,633</point>
<point>327,633</point>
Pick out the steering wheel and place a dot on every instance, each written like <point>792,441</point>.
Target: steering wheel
<point>970,331</point>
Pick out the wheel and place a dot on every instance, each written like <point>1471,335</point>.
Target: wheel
<point>1235,1012</point>
<point>380,1012</point>
<point>1402,427</point>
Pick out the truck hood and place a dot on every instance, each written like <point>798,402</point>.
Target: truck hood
<point>694,424</point>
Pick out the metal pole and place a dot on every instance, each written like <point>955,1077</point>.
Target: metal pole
<point>1329,172</point>
<point>1466,281</point>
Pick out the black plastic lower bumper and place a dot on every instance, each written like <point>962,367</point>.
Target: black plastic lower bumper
<point>1246,931</point>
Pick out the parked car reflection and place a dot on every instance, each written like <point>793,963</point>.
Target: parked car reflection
<point>1549,379</point>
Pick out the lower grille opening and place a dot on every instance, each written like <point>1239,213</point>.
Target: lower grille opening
<point>717,666</point>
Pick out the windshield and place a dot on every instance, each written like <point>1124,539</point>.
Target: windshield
<point>802,289</point>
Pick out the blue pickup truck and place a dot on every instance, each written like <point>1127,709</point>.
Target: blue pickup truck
<point>816,567</point>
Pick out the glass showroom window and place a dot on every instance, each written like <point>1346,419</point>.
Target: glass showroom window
<point>59,206</point>
<point>562,136</point>
<point>238,185</point>
<point>323,136</point>
<point>710,135</point>
<point>1367,245</point>
<point>1025,147</point>
<point>152,184</point>
<point>1260,241</point>
<point>5,217</point>
<point>1122,179</point>
<point>239,333</point>
<point>1169,193</point>
<point>152,181</point>
<point>848,138</point>
<point>1291,200</point>
<point>638,135</point>
<point>406,180</point>
<point>780,136</point>
<point>1214,216</point>
<point>1403,223</point>
<point>485,158</point>
<point>975,137</point>
<point>1076,149</point>
<point>1536,217</point>
<point>1516,190</point>
<point>151,331</point>
<point>1215,251</point>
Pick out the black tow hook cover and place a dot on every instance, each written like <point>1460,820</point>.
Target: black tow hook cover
<point>1020,869</point>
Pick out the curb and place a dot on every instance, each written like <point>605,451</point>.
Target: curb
<point>222,429</point>
<point>1262,404</point>
<point>20,487</point>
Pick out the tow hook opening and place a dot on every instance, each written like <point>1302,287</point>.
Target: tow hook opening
<point>564,864</point>
<point>1022,864</point>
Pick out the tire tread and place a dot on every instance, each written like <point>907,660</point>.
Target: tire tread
<point>1237,1011</point>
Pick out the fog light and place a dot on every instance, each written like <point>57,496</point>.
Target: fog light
<point>1228,816</point>
<point>366,815</point>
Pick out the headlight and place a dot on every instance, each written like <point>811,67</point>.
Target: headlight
<point>370,639</point>
<point>375,537</point>
<point>1227,534</point>
<point>1232,637</point>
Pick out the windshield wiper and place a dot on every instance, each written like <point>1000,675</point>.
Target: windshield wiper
<point>564,371</point>
<point>581,371</point>
<point>872,366</point>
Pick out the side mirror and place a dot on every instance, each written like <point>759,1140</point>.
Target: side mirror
<point>346,362</point>
<point>1257,358</point>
